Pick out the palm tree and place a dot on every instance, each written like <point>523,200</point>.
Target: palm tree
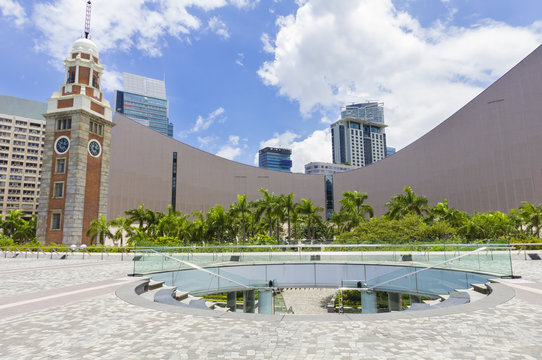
<point>138,215</point>
<point>173,224</point>
<point>217,221</point>
<point>26,230</point>
<point>197,228</point>
<point>241,207</point>
<point>354,208</point>
<point>443,212</point>
<point>406,203</point>
<point>311,212</point>
<point>290,206</point>
<point>12,222</point>
<point>99,228</point>
<point>266,205</point>
<point>279,213</point>
<point>531,216</point>
<point>123,226</point>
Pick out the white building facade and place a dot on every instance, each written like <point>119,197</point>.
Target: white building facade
<point>324,168</point>
<point>22,132</point>
<point>359,137</point>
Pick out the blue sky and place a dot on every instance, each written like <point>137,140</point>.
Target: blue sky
<point>243,74</point>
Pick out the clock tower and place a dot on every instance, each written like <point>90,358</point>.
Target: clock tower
<point>75,174</point>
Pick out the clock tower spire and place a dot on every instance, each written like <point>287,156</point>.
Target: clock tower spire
<point>75,174</point>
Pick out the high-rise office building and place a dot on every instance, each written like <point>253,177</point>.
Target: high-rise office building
<point>22,132</point>
<point>275,159</point>
<point>358,138</point>
<point>144,100</point>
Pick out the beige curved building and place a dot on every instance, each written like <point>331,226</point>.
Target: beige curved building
<point>487,156</point>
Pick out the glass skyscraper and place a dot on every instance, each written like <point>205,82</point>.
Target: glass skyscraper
<point>144,100</point>
<point>275,159</point>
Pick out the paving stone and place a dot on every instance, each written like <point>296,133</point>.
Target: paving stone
<point>105,327</point>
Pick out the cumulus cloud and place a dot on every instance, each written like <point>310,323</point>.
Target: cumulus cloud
<point>234,139</point>
<point>206,141</point>
<point>219,27</point>
<point>117,25</point>
<point>203,123</point>
<point>112,80</point>
<point>12,9</point>
<point>245,4</point>
<point>267,43</point>
<point>314,147</point>
<point>231,150</point>
<point>332,53</point>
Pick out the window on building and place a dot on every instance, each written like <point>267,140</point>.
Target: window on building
<point>60,167</point>
<point>96,128</point>
<point>58,190</point>
<point>64,124</point>
<point>71,77</point>
<point>95,81</point>
<point>56,220</point>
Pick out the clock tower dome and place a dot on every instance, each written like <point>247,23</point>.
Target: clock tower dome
<point>75,173</point>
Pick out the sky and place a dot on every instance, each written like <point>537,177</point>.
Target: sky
<point>244,74</point>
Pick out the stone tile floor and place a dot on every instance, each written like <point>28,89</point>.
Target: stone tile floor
<point>95,324</point>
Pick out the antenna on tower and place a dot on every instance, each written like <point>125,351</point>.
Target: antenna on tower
<point>87,19</point>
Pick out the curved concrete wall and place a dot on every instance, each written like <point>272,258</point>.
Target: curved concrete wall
<point>487,156</point>
<point>141,168</point>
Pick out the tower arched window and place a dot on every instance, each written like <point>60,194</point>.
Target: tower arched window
<point>71,77</point>
<point>96,81</point>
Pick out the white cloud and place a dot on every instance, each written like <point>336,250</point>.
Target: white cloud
<point>229,152</point>
<point>218,27</point>
<point>267,43</point>
<point>111,80</point>
<point>245,4</point>
<point>332,53</point>
<point>12,9</point>
<point>203,123</point>
<point>117,25</point>
<point>234,139</point>
<point>240,59</point>
<point>315,147</point>
<point>206,141</point>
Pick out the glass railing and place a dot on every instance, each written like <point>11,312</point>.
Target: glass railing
<point>493,257</point>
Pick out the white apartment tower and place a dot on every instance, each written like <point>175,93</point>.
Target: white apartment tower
<point>358,138</point>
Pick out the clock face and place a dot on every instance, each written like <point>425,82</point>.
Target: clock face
<point>94,148</point>
<point>62,145</point>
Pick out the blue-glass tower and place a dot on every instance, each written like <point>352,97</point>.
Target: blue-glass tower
<point>275,159</point>
<point>144,100</point>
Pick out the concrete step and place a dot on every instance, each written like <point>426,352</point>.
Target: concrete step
<point>481,288</point>
<point>180,295</point>
<point>155,284</point>
<point>444,297</point>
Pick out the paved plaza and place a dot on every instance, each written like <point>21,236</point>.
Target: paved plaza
<point>67,309</point>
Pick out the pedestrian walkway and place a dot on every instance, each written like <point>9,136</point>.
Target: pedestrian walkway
<point>53,309</point>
